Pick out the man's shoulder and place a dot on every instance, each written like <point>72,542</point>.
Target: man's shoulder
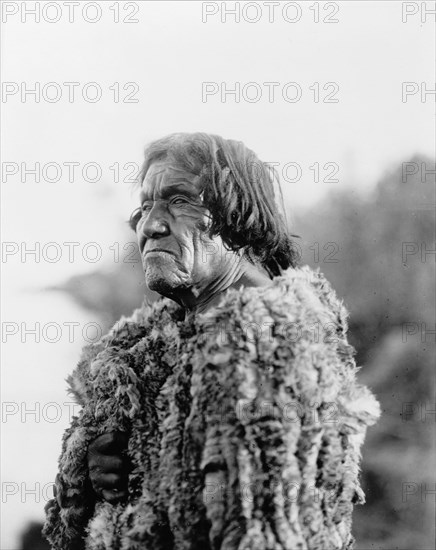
<point>152,320</point>
<point>128,329</point>
<point>297,295</point>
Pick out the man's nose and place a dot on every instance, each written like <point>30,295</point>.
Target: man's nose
<point>155,225</point>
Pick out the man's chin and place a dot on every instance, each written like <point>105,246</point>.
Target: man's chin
<point>163,279</point>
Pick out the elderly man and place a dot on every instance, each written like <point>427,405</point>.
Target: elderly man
<point>226,415</point>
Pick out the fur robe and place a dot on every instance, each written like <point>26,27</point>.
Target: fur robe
<point>245,425</point>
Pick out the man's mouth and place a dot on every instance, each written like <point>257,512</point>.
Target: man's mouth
<point>158,251</point>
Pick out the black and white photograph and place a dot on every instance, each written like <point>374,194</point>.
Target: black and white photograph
<point>218,298</point>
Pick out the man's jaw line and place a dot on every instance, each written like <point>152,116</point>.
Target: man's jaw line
<point>196,297</point>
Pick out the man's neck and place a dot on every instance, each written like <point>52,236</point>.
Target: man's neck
<point>241,274</point>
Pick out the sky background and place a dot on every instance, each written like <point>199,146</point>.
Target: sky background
<point>168,54</point>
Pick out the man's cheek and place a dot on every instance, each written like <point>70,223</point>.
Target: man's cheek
<point>198,219</point>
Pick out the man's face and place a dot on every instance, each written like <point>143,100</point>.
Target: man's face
<point>176,251</point>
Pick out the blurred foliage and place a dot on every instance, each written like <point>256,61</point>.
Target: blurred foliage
<point>389,288</point>
<point>359,242</point>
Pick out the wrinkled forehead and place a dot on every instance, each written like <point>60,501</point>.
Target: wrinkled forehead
<point>164,174</point>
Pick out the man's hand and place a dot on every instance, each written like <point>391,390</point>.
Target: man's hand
<point>108,466</point>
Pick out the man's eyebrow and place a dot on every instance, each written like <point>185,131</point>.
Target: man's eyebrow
<point>178,185</point>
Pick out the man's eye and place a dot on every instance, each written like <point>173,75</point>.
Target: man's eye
<point>179,200</point>
<point>146,206</point>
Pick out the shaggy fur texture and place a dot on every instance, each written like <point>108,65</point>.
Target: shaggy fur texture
<point>245,426</point>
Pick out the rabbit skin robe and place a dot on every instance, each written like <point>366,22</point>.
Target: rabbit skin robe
<point>245,425</point>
